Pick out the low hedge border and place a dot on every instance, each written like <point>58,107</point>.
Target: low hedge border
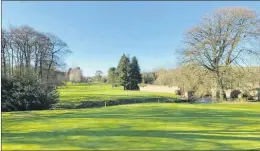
<point>96,104</point>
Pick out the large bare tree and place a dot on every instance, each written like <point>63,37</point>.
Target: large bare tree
<point>226,37</point>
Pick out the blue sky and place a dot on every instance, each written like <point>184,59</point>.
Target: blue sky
<point>99,32</point>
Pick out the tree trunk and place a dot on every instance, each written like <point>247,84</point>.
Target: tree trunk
<point>49,67</point>
<point>17,61</point>
<point>40,68</point>
<point>9,56</point>
<point>36,64</point>
<point>21,63</point>
<point>12,66</point>
<point>27,62</point>
<point>220,85</point>
<point>41,65</point>
<point>48,72</point>
<point>222,95</point>
<point>4,64</point>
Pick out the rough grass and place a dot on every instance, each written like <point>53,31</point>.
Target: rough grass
<point>103,92</point>
<point>138,126</point>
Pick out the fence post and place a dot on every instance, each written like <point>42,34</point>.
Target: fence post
<point>158,101</point>
<point>105,103</point>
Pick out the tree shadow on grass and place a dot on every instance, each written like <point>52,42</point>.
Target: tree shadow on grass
<point>158,112</point>
<point>128,135</point>
<point>155,112</point>
<point>208,118</point>
<point>187,137</point>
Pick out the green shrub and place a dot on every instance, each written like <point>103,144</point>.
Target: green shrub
<point>149,77</point>
<point>22,93</point>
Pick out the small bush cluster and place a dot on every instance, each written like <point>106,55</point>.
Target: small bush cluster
<point>22,93</point>
<point>149,77</point>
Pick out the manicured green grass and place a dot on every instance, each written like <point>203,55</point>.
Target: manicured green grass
<point>103,92</point>
<point>138,126</point>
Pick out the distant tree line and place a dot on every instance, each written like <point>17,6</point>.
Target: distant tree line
<point>199,80</point>
<point>126,74</point>
<point>29,60</point>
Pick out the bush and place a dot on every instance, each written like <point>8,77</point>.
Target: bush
<point>235,93</point>
<point>26,93</point>
<point>117,85</point>
<point>148,77</point>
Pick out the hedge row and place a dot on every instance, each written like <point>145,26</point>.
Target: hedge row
<point>96,104</point>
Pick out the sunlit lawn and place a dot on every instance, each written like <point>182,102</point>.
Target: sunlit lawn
<point>102,92</point>
<point>137,126</point>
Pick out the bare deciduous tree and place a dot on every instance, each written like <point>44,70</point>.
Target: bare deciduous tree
<point>224,38</point>
<point>57,48</point>
<point>98,75</point>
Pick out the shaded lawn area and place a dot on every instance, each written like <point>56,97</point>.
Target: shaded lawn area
<point>104,92</point>
<point>138,126</point>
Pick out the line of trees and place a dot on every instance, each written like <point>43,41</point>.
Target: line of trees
<point>23,48</point>
<point>126,74</point>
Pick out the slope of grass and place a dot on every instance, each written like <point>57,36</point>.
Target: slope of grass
<point>103,92</point>
<point>139,126</point>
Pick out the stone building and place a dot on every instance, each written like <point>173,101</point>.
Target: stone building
<point>74,75</point>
